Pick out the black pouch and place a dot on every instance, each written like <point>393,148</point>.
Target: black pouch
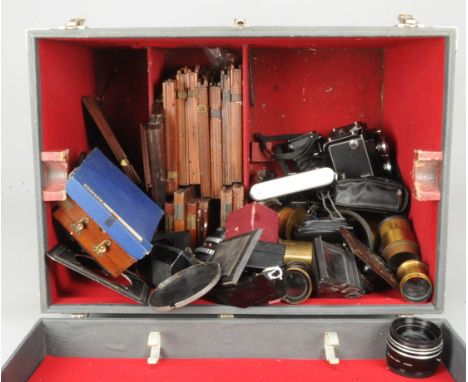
<point>372,194</point>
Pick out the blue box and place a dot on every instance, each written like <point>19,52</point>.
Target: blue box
<point>117,205</point>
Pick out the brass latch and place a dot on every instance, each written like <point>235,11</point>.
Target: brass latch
<point>101,248</point>
<point>80,225</point>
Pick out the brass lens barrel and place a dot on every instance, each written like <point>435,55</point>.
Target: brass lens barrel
<point>288,218</point>
<point>298,283</point>
<point>298,251</point>
<point>415,284</point>
<point>398,241</point>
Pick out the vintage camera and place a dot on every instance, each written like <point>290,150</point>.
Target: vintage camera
<point>356,152</point>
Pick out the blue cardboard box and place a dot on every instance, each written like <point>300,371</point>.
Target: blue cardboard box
<point>117,205</point>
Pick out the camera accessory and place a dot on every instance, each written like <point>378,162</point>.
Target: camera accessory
<point>336,271</point>
<point>291,184</point>
<point>356,152</point>
<point>252,289</point>
<point>379,195</point>
<point>206,251</point>
<point>414,346</point>
<point>298,282</point>
<point>415,284</point>
<point>251,217</point>
<point>127,284</point>
<point>166,261</point>
<point>266,255</point>
<point>304,150</point>
<point>289,218</point>
<point>398,241</point>
<point>376,264</point>
<point>298,252</point>
<point>233,255</point>
<point>364,227</point>
<point>185,286</point>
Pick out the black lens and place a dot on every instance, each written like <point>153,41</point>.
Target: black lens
<point>414,347</point>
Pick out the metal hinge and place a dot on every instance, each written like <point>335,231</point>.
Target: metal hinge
<point>76,23</point>
<point>79,315</point>
<point>408,21</point>
<point>226,316</point>
<point>240,23</point>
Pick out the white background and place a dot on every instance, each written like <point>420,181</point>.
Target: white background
<point>20,279</point>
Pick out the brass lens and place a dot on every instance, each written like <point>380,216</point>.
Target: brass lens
<point>415,284</point>
<point>288,218</point>
<point>298,251</point>
<point>298,283</point>
<point>398,241</point>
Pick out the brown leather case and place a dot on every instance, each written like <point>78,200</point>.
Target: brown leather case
<point>216,141</point>
<point>182,149</point>
<point>203,125</point>
<point>191,221</point>
<point>226,204</point>
<point>235,125</point>
<point>181,197</point>
<point>103,126</point>
<point>92,238</point>
<point>170,124</point>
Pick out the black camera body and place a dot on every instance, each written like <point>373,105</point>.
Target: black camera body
<point>355,152</point>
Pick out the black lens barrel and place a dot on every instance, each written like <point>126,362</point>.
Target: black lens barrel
<point>414,347</point>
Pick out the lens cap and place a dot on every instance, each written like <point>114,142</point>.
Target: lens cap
<point>185,286</point>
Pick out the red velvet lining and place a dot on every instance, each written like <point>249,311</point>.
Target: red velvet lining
<point>316,84</point>
<point>94,369</point>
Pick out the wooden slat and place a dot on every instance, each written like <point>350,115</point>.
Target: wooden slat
<point>237,196</point>
<point>157,160</point>
<point>170,123</point>
<point>235,154</point>
<point>181,197</point>
<point>226,204</point>
<point>181,130</point>
<point>192,128</point>
<point>145,156</point>
<point>169,217</point>
<point>103,126</point>
<point>216,141</point>
<point>225,121</point>
<point>203,125</point>
<point>191,221</point>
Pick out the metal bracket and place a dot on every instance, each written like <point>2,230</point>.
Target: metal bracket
<point>154,342</point>
<point>240,23</point>
<point>76,23</point>
<point>426,172</point>
<point>330,340</point>
<point>408,21</point>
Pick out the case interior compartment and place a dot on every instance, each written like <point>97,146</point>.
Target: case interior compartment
<point>298,85</point>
